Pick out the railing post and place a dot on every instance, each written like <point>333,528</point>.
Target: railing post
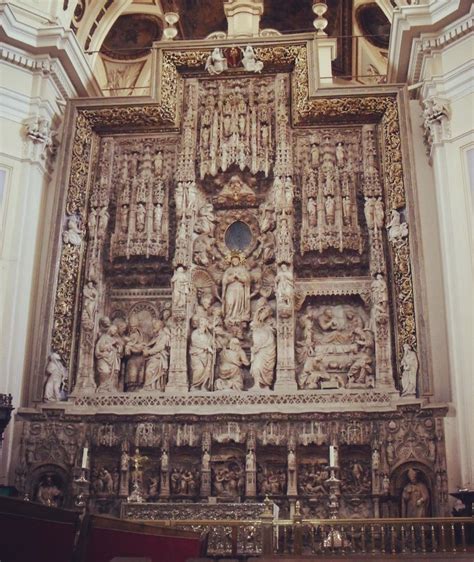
<point>297,530</point>
<point>267,527</point>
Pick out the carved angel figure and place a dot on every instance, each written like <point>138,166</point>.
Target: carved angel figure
<point>396,229</point>
<point>73,234</point>
<point>56,372</point>
<point>409,367</point>
<point>249,62</point>
<point>216,62</point>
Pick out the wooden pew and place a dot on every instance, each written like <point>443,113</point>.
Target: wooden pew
<point>33,532</point>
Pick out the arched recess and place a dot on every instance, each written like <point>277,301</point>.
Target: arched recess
<point>399,479</point>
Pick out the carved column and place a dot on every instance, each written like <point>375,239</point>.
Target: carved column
<point>284,193</point>
<point>185,216</point>
<point>251,467</point>
<point>93,291</point>
<point>292,489</point>
<point>206,465</point>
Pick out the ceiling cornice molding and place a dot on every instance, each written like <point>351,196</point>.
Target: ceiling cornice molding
<point>51,43</point>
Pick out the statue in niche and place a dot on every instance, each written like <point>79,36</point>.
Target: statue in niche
<point>158,163</point>
<point>73,234</point>
<point>202,355</point>
<point>103,222</point>
<point>330,208</point>
<point>379,214</point>
<point>375,459</point>
<point>409,367</point>
<point>124,212</point>
<point>312,209</point>
<point>231,360</point>
<point>415,497</point>
<point>108,353</point>
<point>48,492</point>
<point>133,350</point>
<point>369,207</point>
<point>91,296</point>
<point>153,487</point>
<point>291,469</point>
<point>346,210</point>
<point>140,217</point>
<point>156,353</point>
<point>184,481</point>
<point>315,153</point>
<point>380,298</point>
<point>236,291</point>
<point>92,222</point>
<point>263,351</point>
<point>157,217</point>
<point>284,285</point>
<point>396,229</point>
<point>340,155</point>
<point>180,286</point>
<point>250,465</point>
<point>57,373</point>
<point>271,481</point>
<point>206,461</point>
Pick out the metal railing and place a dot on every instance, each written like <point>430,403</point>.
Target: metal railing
<point>332,536</point>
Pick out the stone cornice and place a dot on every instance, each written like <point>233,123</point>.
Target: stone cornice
<point>50,45</point>
<point>429,43</point>
<point>410,22</point>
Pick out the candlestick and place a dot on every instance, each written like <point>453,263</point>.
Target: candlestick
<point>84,457</point>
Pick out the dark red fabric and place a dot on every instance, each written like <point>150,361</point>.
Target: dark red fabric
<point>104,544</point>
<point>33,540</point>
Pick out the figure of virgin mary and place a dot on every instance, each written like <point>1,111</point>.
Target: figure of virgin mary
<point>236,292</point>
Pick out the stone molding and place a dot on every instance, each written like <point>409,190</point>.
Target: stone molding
<point>69,66</point>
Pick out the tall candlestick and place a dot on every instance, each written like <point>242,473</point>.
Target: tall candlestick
<point>84,457</point>
<point>331,455</point>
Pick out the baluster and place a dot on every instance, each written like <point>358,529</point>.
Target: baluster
<point>285,539</point>
<point>393,539</point>
<point>423,540</point>
<point>372,538</point>
<point>443,538</point>
<point>463,537</point>
<point>362,539</point>
<point>332,531</point>
<point>382,539</point>
<point>402,536</point>
<point>343,548</point>
<point>433,539</point>
<point>234,540</point>
<point>412,536</point>
<point>453,538</point>
<point>312,539</point>
<point>353,546</point>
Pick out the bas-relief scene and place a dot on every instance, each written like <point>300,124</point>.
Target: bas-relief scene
<point>239,262</point>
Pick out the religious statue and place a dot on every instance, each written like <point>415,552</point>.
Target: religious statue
<point>91,295</point>
<point>415,497</point>
<point>216,62</point>
<point>180,286</point>
<point>340,155</point>
<point>291,471</point>
<point>164,461</point>
<point>140,217</point>
<point>236,291</point>
<point>250,465</point>
<point>57,373</point>
<point>202,356</point>
<point>385,485</point>
<point>48,493</point>
<point>379,214</point>
<point>396,229</point>
<point>72,235</point>
<point>231,360</point>
<point>157,218</point>
<point>249,62</point>
<point>263,351</point>
<point>330,208</point>
<point>156,353</point>
<point>409,367</point>
<point>285,286</point>
<point>312,209</point>
<point>108,352</point>
<point>134,344</point>
<point>206,461</point>
<point>206,221</point>
<point>369,211</point>
<point>375,459</point>
<point>103,222</point>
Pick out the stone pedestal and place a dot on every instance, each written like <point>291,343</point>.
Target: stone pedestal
<point>165,485</point>
<point>205,483</point>
<point>251,484</point>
